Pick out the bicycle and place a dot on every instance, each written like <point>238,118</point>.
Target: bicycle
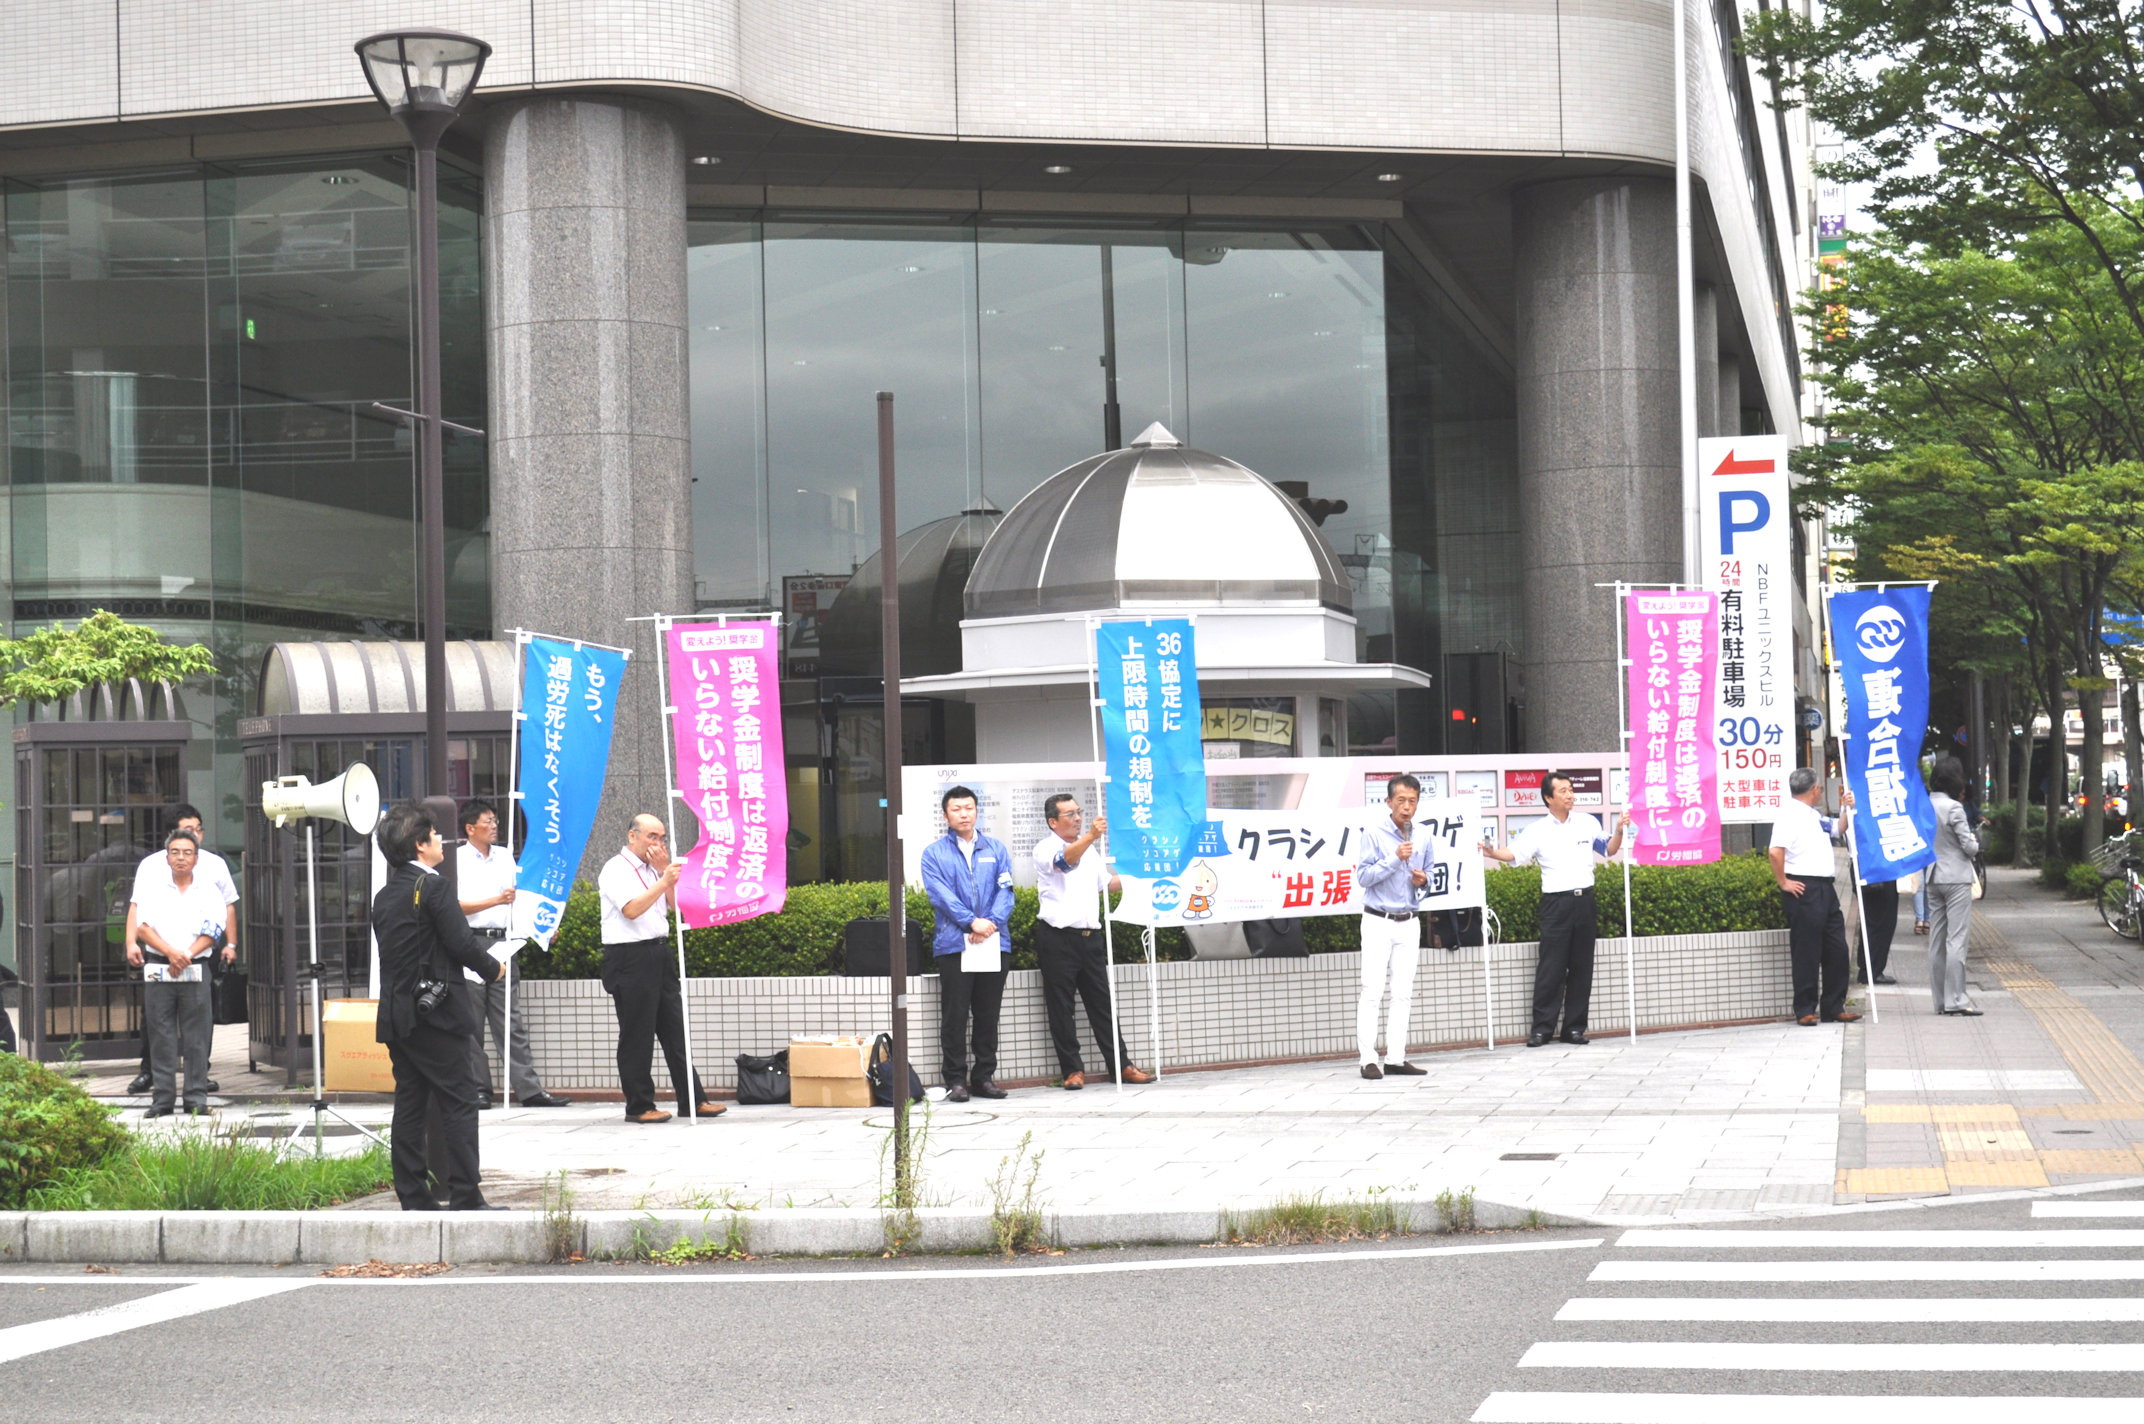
<point>2121,900</point>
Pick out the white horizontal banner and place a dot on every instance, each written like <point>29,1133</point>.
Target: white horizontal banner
<point>1277,865</point>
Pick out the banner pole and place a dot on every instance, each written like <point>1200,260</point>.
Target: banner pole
<point>1153,990</point>
<point>513,797</point>
<point>1101,796</point>
<point>1622,704</point>
<point>667,721</point>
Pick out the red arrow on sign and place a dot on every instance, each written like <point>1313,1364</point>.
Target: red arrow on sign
<point>1732,466</point>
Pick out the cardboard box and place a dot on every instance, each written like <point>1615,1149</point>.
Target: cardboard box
<point>353,1061</point>
<point>829,1072</point>
<point>829,1092</point>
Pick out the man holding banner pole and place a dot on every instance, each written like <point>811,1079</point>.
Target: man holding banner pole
<point>1564,842</point>
<point>484,876</point>
<point>638,889</point>
<point>1806,870</point>
<point>1072,883</point>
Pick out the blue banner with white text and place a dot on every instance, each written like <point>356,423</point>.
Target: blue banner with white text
<point>1880,638</point>
<point>569,698</point>
<point>1147,676</point>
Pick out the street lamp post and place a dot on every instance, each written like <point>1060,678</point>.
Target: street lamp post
<point>423,77</point>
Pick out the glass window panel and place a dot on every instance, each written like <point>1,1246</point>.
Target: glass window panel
<point>725,286</point>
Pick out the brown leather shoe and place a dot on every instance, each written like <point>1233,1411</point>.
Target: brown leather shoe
<point>1137,1075</point>
<point>1844,1018</point>
<point>1371,1070</point>
<point>1075,1081</point>
<point>710,1110</point>
<point>651,1115</point>
<point>1807,1020</point>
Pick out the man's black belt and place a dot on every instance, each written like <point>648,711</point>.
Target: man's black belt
<point>1401,916</point>
<point>1582,890</point>
<point>609,945</point>
<point>1074,929</point>
<point>487,934</point>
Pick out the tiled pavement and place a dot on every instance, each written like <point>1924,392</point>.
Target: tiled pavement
<point>2045,1089</point>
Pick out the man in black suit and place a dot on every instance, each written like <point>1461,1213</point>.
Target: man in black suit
<point>425,940</point>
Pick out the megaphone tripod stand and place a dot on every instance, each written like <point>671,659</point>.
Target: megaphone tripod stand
<point>316,972</point>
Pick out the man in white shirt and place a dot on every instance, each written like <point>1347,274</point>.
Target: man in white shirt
<point>484,876</point>
<point>1806,869</point>
<point>154,872</point>
<point>1070,948</point>
<point>638,889</point>
<point>1564,842</point>
<point>178,921</point>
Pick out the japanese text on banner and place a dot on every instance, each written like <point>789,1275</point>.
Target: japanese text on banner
<point>1673,642</point>
<point>568,697</point>
<point>1747,559</point>
<point>1147,675</point>
<point>725,690</point>
<point>1881,641</point>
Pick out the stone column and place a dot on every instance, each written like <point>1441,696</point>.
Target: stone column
<point>1705,329</point>
<point>585,315</point>
<point>1730,393</point>
<point>1599,489</point>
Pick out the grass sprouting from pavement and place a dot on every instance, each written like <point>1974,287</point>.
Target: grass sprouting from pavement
<point>1300,1220</point>
<point>204,1171</point>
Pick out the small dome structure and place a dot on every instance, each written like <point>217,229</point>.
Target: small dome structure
<point>1156,523</point>
<point>934,560</point>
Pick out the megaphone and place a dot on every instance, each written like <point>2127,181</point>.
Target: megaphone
<point>352,798</point>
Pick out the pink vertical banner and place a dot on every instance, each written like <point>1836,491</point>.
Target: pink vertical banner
<point>1673,641</point>
<point>725,692</point>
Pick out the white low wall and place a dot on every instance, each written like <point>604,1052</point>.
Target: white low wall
<point>1212,1012</point>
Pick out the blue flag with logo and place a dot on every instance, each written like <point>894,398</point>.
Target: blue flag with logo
<point>1148,679</point>
<point>1881,640</point>
<point>569,696</point>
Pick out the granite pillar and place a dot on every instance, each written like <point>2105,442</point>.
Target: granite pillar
<point>585,315</point>
<point>1599,489</point>
<point>1705,328</point>
<point>1730,393</point>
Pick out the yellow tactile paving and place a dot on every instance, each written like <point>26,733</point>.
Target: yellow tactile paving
<point>2091,1112</point>
<point>1994,1174</point>
<point>1879,1181</point>
<point>2102,1062</point>
<point>2093,1160</point>
<point>1977,1143</point>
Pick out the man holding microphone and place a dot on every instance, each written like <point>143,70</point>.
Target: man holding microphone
<point>1394,874</point>
<point>638,889</point>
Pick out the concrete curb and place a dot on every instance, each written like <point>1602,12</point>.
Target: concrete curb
<point>273,1238</point>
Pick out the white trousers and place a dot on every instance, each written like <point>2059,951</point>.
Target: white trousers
<point>1391,950</point>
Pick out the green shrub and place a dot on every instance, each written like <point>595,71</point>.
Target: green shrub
<point>805,938</point>
<point>1998,837</point>
<point>2082,882</point>
<point>48,1126</point>
<point>2055,874</point>
<point>1734,893</point>
<point>201,1171</point>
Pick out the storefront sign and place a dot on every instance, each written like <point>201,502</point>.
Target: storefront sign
<point>805,599</point>
<point>1748,553</point>
<point>1673,642</point>
<point>727,725</point>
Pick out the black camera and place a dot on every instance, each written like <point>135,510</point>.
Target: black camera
<point>431,993</point>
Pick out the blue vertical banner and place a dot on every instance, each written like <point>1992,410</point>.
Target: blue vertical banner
<point>1147,676</point>
<point>569,700</point>
<point>1880,638</point>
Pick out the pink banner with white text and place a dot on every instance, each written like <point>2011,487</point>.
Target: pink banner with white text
<point>725,692</point>
<point>1673,641</point>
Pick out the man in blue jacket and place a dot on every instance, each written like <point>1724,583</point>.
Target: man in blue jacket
<point>968,876</point>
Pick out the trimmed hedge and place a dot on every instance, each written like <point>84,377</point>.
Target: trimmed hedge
<point>2082,882</point>
<point>1737,893</point>
<point>48,1126</point>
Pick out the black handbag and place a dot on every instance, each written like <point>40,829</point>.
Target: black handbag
<point>876,1070</point>
<point>230,997</point>
<point>763,1080</point>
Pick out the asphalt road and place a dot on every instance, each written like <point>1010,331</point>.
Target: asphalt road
<point>1409,1331</point>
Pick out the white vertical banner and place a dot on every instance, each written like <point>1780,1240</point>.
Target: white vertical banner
<point>1746,542</point>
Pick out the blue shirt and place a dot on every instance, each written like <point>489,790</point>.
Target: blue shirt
<point>964,890</point>
<point>1387,881</point>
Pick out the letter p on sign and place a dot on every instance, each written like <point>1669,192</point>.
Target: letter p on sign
<point>1735,503</point>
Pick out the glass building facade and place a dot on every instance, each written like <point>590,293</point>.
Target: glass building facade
<point>1321,356</point>
<point>192,363</point>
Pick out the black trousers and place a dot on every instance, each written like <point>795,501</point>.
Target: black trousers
<point>641,979</point>
<point>960,995</point>
<point>432,1069</point>
<point>1880,903</point>
<point>1563,980</point>
<point>1075,962</point>
<point>1816,937</point>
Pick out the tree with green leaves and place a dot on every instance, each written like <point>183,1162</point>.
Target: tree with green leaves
<point>55,663</point>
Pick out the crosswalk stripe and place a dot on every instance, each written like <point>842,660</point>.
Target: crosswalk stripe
<point>2087,1208</point>
<point>1876,1309</point>
<point>1849,1272</point>
<point>1700,1238</point>
<point>41,1335</point>
<point>1738,1355</point>
<point>1521,1407</point>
